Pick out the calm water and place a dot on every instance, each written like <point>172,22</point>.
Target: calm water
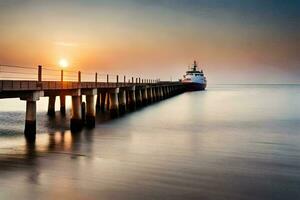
<point>229,142</point>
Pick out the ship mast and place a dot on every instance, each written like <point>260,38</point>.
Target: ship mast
<point>195,65</point>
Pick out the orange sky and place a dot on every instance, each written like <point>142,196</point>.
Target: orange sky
<point>233,44</point>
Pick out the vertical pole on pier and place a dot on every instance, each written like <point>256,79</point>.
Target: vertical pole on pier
<point>117,79</point>
<point>40,73</point>
<point>96,78</point>
<point>132,79</point>
<point>61,75</point>
<point>124,79</point>
<point>139,80</point>
<point>136,80</point>
<point>79,76</point>
<point>107,78</point>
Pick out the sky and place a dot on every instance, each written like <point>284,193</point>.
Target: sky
<point>234,41</point>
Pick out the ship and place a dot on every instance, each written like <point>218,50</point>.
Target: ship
<point>194,80</point>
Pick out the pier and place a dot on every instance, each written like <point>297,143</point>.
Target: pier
<point>109,95</point>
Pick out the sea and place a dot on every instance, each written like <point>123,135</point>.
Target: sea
<point>233,142</point>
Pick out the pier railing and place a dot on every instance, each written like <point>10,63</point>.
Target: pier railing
<point>14,77</point>
<point>40,73</point>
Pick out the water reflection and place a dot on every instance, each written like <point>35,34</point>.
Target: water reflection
<point>212,145</point>
<point>59,142</point>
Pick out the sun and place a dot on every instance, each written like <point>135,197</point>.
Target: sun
<point>63,63</point>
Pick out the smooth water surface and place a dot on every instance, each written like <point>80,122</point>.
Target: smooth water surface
<point>229,142</point>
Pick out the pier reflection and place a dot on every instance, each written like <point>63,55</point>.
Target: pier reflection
<point>27,156</point>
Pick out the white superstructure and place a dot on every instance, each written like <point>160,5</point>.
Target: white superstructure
<point>195,79</point>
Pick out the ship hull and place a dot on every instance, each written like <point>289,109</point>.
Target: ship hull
<point>194,86</point>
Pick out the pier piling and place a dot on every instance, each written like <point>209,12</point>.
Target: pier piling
<point>131,98</point>
<point>90,107</point>
<point>76,118</point>
<point>149,95</point>
<point>161,92</point>
<point>90,111</point>
<point>30,121</point>
<point>98,105</point>
<point>30,117</point>
<point>122,101</point>
<point>145,95</point>
<point>51,105</point>
<point>63,104</point>
<point>83,111</point>
<point>114,102</point>
<point>103,95</point>
<point>138,97</point>
<point>158,94</point>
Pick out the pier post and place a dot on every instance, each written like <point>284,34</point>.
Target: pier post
<point>51,105</point>
<point>40,73</point>
<point>139,99</point>
<point>114,102</point>
<point>62,104</point>
<point>165,92</point>
<point>76,120</point>
<point>98,105</point>
<point>172,90</point>
<point>158,93</point>
<point>30,117</point>
<point>30,121</point>
<point>131,98</point>
<point>149,94</point>
<point>107,97</point>
<point>161,92</point>
<point>145,95</point>
<point>122,101</point>
<point>102,101</point>
<point>168,91</point>
<point>154,96</point>
<point>83,111</point>
<point>90,107</point>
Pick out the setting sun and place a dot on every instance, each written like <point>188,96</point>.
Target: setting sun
<point>63,63</point>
